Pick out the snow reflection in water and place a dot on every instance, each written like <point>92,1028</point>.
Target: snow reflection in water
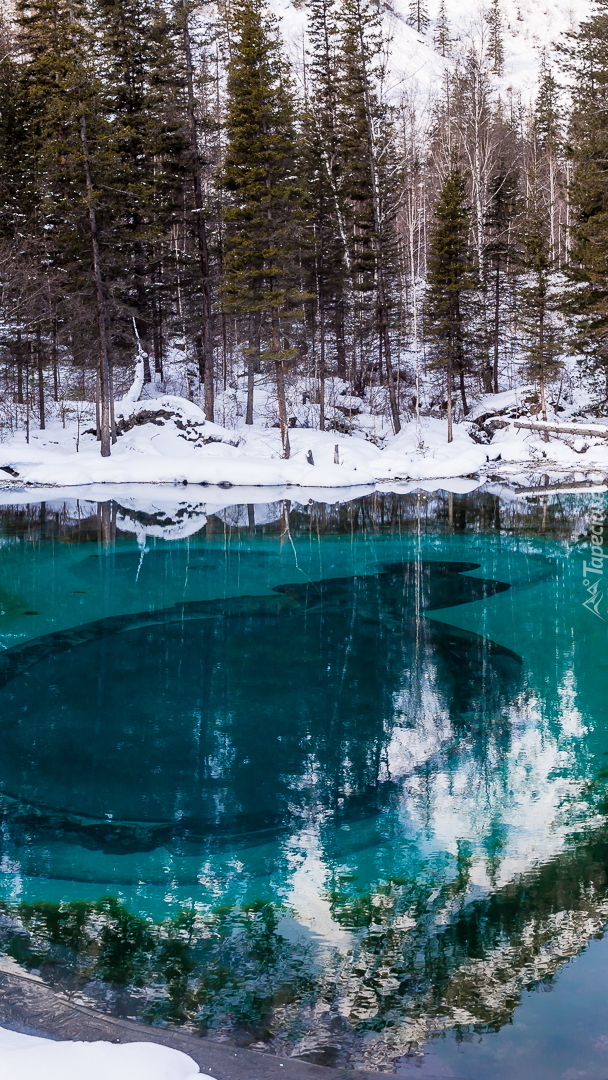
<point>387,716</point>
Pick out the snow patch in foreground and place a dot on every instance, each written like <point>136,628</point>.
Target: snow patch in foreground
<point>28,1057</point>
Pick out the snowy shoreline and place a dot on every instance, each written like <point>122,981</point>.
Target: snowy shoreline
<point>168,441</point>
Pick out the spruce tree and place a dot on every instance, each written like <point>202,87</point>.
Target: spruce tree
<point>548,122</point>
<point>547,134</point>
<point>325,173</point>
<point>500,251</point>
<point>370,173</point>
<point>450,282</point>
<point>587,302</point>
<point>200,225</point>
<point>537,300</point>
<point>496,50</point>
<point>262,216</point>
<point>142,92</point>
<point>442,37</point>
<point>68,140</point>
<point>418,16</point>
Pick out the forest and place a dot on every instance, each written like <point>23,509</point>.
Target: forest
<point>179,187</point>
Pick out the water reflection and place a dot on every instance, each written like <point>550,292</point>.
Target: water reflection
<point>243,716</point>
<point>383,719</point>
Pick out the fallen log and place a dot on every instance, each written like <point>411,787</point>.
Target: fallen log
<point>562,429</point>
<point>598,486</point>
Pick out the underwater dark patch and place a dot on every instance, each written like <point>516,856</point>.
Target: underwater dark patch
<point>234,718</point>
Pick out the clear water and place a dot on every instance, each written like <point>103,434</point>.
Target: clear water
<point>387,719</point>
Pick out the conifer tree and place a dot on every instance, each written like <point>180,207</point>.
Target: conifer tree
<point>450,281</point>
<point>587,59</point>
<point>442,37</point>
<point>206,334</point>
<point>367,142</point>
<point>500,251</point>
<point>548,124</point>
<point>418,16</point>
<point>139,72</point>
<point>547,135</point>
<point>496,49</point>
<point>325,171</point>
<point>68,142</point>
<point>537,301</point>
<point>262,218</point>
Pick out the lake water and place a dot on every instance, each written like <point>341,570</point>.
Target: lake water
<point>342,769</point>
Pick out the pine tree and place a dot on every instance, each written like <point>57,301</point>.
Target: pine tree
<point>206,334</point>
<point>67,136</point>
<point>262,218</point>
<point>537,300</point>
<point>496,50</point>
<point>547,134</point>
<point>367,145</point>
<point>450,281</point>
<point>325,170</point>
<point>442,38</point>
<point>140,75</point>
<point>504,205</point>
<point>418,16</point>
<point>587,59</point>
<point>548,123</point>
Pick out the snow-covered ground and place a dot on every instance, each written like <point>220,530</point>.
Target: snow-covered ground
<point>27,1057</point>
<point>166,440</point>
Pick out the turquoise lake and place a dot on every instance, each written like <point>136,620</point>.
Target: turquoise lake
<point>343,769</point>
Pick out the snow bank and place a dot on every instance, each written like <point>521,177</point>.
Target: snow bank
<point>168,441</point>
<point>27,1057</point>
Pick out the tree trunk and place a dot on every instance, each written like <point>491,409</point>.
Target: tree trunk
<point>496,326</point>
<point>105,381</point>
<point>321,302</point>
<point>55,369</point>
<point>201,228</point>
<point>541,350</point>
<point>450,394</point>
<point>340,344</point>
<point>41,408</point>
<point>253,363</point>
<point>20,398</point>
<point>462,388</point>
<point>140,320</point>
<point>322,365</point>
<point>282,407</point>
<point>392,389</point>
<point>250,390</point>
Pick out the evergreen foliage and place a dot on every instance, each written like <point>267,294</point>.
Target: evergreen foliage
<point>260,176</point>
<point>587,59</point>
<point>442,38</point>
<point>450,278</point>
<point>165,178</point>
<point>500,251</point>
<point>418,16</point>
<point>537,298</point>
<point>496,50</point>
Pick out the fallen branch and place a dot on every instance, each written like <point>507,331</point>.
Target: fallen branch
<point>561,429</point>
<point>565,487</point>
